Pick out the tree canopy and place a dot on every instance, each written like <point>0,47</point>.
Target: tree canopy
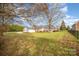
<point>52,12</point>
<point>7,12</point>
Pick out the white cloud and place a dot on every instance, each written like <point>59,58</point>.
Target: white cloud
<point>70,17</point>
<point>70,20</point>
<point>64,9</point>
<point>67,16</point>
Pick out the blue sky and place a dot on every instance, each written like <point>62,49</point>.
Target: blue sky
<point>72,13</point>
<point>73,9</point>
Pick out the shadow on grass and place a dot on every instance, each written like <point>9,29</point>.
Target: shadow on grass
<point>28,45</point>
<point>75,33</point>
<point>51,47</point>
<point>16,44</point>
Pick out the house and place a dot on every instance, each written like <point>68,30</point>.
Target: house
<point>45,29</point>
<point>28,30</point>
<point>31,30</point>
<point>41,29</point>
<point>76,26</point>
<point>25,30</point>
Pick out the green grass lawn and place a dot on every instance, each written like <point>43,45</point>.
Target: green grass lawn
<point>37,44</point>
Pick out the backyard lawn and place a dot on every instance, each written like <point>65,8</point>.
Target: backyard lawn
<point>38,44</point>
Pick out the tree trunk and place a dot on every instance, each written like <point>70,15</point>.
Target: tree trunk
<point>1,34</point>
<point>49,25</point>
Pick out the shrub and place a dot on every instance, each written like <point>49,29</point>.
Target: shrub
<point>15,28</point>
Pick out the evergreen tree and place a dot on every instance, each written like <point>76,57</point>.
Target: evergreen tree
<point>68,27</point>
<point>63,27</point>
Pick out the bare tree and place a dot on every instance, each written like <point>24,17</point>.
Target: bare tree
<point>6,13</point>
<point>55,14</point>
<point>36,9</point>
